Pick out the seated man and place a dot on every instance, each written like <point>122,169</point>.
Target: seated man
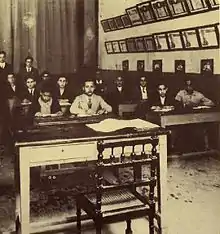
<point>190,98</point>
<point>141,96</point>
<point>30,92</point>
<point>62,92</point>
<point>89,103</point>
<point>193,137</point>
<point>28,70</point>
<point>46,105</point>
<point>118,95</point>
<point>163,98</point>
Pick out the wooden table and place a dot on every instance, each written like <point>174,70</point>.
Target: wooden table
<point>47,145</point>
<point>183,117</point>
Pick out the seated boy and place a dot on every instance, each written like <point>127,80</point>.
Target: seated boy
<point>30,91</point>
<point>89,103</point>
<point>46,105</point>
<point>62,92</point>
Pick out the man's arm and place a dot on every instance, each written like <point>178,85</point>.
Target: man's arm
<point>75,107</point>
<point>205,101</point>
<point>105,106</point>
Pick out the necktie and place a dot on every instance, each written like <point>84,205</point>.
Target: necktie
<point>143,89</point>
<point>89,103</point>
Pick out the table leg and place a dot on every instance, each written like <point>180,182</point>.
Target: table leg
<point>25,194</point>
<point>163,183</point>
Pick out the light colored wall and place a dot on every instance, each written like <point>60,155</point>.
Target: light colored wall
<point>108,9</point>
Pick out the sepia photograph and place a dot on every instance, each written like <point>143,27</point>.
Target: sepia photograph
<point>109,117</point>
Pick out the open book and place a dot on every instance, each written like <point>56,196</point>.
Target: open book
<point>110,125</point>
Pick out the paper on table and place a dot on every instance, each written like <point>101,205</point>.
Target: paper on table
<point>110,125</point>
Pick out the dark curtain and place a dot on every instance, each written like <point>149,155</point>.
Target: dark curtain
<point>48,30</point>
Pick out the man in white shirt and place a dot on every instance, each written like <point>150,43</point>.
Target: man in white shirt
<point>88,103</point>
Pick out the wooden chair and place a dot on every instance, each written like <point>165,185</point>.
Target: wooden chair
<point>123,200</point>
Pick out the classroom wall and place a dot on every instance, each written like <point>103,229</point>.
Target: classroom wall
<point>113,8</point>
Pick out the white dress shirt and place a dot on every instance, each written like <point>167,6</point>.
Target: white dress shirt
<point>162,100</point>
<point>119,89</point>
<point>2,65</point>
<point>144,93</point>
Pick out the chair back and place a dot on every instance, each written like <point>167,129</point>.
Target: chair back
<point>131,154</point>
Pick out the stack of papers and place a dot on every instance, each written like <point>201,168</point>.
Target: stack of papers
<point>110,125</point>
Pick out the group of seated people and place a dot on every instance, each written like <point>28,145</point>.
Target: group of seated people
<point>46,97</point>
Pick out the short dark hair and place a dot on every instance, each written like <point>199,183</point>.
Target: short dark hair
<point>29,57</point>
<point>29,77</point>
<point>64,76</point>
<point>162,83</point>
<point>3,52</point>
<point>11,73</point>
<point>88,80</point>
<point>46,87</point>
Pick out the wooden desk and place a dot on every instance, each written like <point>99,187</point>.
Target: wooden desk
<point>58,144</point>
<point>173,118</point>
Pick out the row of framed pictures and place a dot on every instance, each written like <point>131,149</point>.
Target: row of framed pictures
<point>156,10</point>
<point>206,66</point>
<point>185,39</point>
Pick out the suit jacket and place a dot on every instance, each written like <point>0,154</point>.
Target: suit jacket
<point>31,97</point>
<point>67,94</point>
<point>10,93</point>
<point>35,107</point>
<point>3,79</point>
<point>115,98</point>
<point>23,74</point>
<point>80,105</point>
<point>169,101</point>
<point>137,95</point>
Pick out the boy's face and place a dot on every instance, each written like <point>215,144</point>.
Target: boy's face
<point>31,83</point>
<point>162,89</point>
<point>89,88</point>
<point>143,81</point>
<point>2,58</point>
<point>62,82</point>
<point>46,96</point>
<point>28,62</point>
<point>11,79</point>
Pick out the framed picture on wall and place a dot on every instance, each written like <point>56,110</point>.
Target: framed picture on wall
<point>161,9</point>
<point>108,47</point>
<point>119,22</point>
<point>190,39</point>
<point>134,16</point>
<point>112,24</point>
<point>140,65</point>
<point>149,43</point>
<point>131,45</point>
<point>125,65</point>
<point>180,66</point>
<point>126,21</point>
<point>214,3</point>
<point>146,12</point>
<point>174,40</point>
<point>157,66</point>
<point>207,66</point>
<point>177,7</point>
<point>123,46</point>
<point>139,42</point>
<point>208,36</point>
<point>197,5</point>
<point>115,46</point>
<point>160,41</point>
<point>105,25</point>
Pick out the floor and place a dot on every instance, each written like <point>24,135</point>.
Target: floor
<point>193,199</point>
